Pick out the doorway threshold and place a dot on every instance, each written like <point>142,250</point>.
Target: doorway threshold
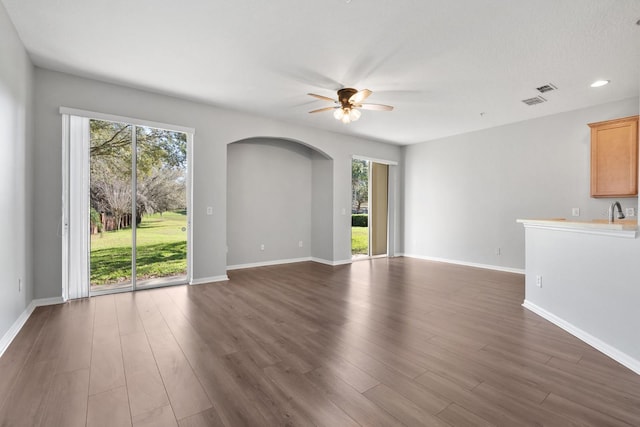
<point>156,282</point>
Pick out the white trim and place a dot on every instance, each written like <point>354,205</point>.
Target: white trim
<point>595,228</point>
<point>466,264</point>
<point>41,302</point>
<point>212,279</point>
<point>128,120</point>
<point>371,159</point>
<point>612,352</point>
<point>190,200</point>
<point>267,263</point>
<point>288,261</point>
<point>134,214</point>
<point>331,263</point>
<point>627,234</point>
<point>13,331</point>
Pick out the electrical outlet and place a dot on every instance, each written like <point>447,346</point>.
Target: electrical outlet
<point>539,281</point>
<point>300,244</point>
<point>209,210</point>
<point>575,212</point>
<point>262,247</point>
<point>630,212</point>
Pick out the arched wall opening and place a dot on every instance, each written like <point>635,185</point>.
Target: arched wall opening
<point>279,202</point>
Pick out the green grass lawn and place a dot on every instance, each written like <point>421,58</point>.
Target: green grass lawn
<point>360,240</point>
<point>161,250</point>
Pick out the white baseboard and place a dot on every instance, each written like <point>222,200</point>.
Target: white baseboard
<point>331,263</point>
<point>466,264</point>
<point>41,302</point>
<point>288,261</point>
<point>211,279</point>
<point>612,352</point>
<point>13,331</point>
<point>267,263</point>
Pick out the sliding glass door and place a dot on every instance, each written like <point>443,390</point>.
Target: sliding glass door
<point>110,195</point>
<point>360,208</point>
<point>160,207</point>
<point>138,214</point>
<point>370,208</point>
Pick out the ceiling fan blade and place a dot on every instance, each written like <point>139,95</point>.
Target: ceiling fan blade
<point>319,110</point>
<point>376,107</point>
<point>360,96</point>
<point>324,98</point>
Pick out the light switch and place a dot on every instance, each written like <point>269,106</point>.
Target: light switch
<point>209,210</point>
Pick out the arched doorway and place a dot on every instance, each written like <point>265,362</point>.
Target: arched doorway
<point>279,203</point>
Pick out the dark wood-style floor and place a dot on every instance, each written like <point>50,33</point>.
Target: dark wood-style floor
<point>376,343</point>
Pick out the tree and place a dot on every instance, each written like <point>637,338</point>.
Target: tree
<point>109,139</point>
<point>161,159</point>
<point>161,191</point>
<point>359,182</point>
<point>112,141</point>
<point>95,220</point>
<point>115,196</point>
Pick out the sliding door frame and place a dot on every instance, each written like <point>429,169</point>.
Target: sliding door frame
<point>392,189</point>
<point>79,221</point>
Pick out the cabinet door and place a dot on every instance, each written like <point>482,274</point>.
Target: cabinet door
<point>614,158</point>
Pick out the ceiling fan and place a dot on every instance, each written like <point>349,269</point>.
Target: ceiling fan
<point>348,102</point>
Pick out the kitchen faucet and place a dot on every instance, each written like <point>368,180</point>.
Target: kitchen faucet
<point>612,208</point>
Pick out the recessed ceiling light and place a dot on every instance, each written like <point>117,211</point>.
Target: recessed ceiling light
<point>599,83</point>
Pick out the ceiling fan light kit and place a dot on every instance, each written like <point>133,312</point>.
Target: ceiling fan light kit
<point>348,103</point>
<point>347,115</point>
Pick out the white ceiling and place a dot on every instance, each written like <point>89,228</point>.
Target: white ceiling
<point>441,63</point>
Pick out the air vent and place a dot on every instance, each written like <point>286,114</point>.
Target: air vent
<point>534,101</point>
<point>546,88</point>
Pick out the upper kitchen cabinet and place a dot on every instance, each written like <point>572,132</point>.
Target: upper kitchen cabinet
<point>614,158</point>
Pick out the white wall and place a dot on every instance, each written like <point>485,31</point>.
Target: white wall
<point>589,287</point>
<point>268,201</point>
<point>322,207</point>
<point>16,143</point>
<point>214,127</point>
<point>463,194</point>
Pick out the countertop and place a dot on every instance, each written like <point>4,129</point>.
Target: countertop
<point>619,228</point>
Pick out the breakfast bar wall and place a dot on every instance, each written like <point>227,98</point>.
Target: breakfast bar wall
<point>585,280</point>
